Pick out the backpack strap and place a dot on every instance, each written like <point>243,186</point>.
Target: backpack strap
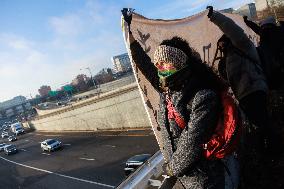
<point>227,134</point>
<point>173,114</point>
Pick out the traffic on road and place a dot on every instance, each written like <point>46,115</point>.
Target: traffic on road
<point>71,160</point>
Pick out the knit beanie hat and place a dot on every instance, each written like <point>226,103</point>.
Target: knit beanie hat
<point>169,60</point>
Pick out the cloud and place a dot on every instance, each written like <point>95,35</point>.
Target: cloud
<point>69,25</point>
<point>183,8</point>
<point>86,37</point>
<point>26,65</point>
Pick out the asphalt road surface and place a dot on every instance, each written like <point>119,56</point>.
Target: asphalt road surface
<point>87,160</point>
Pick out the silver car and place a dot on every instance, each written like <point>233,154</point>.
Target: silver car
<point>12,138</point>
<point>50,145</point>
<point>2,146</point>
<point>4,134</point>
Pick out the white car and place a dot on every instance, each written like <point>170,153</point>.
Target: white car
<point>50,145</point>
<point>12,138</point>
<point>4,134</point>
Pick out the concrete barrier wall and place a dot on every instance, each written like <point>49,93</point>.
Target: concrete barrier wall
<point>119,109</point>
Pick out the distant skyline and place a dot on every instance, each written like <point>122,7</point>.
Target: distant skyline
<point>47,42</point>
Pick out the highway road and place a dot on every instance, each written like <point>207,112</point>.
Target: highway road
<point>87,160</point>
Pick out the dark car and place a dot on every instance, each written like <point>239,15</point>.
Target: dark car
<point>134,162</point>
<point>10,149</point>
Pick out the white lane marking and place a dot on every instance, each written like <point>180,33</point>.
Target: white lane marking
<point>110,145</point>
<point>27,140</point>
<point>61,175</point>
<point>66,144</point>
<point>45,154</point>
<point>24,150</point>
<point>52,135</point>
<point>88,159</point>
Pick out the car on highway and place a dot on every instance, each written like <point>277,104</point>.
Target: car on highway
<point>19,131</point>
<point>4,134</point>
<point>2,146</point>
<point>50,145</point>
<point>134,162</point>
<point>12,138</point>
<point>17,128</point>
<point>10,149</point>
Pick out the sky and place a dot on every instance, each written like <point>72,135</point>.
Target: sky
<point>49,42</point>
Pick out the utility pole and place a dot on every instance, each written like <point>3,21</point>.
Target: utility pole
<point>94,83</point>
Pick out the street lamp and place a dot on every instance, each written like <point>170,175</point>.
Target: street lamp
<point>94,83</point>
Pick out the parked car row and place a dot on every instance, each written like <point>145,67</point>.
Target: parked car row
<point>10,131</point>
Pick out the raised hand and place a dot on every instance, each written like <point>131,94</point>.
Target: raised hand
<point>210,8</point>
<point>127,15</point>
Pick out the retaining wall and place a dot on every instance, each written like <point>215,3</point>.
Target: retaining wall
<point>119,109</point>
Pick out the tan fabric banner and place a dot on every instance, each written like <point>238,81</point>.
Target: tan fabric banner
<point>201,34</point>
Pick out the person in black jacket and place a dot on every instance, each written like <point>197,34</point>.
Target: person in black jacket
<point>271,50</point>
<point>180,77</point>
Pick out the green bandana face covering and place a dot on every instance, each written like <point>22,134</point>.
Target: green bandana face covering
<point>166,73</point>
<point>169,60</point>
<point>173,79</point>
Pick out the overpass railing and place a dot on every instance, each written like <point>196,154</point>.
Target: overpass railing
<point>146,176</point>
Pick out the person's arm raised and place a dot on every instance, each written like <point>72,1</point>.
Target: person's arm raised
<point>252,25</point>
<point>140,58</point>
<point>236,34</point>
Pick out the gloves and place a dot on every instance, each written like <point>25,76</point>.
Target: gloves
<point>210,8</point>
<point>245,18</point>
<point>127,15</point>
<point>167,169</point>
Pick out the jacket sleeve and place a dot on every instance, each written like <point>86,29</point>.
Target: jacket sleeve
<point>253,26</point>
<point>203,120</point>
<point>237,35</point>
<point>143,62</point>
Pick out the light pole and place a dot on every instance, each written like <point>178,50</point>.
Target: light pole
<point>94,83</point>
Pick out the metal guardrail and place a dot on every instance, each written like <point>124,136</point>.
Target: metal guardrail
<point>141,178</point>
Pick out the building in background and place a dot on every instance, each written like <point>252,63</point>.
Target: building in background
<point>266,8</point>
<point>265,4</point>
<point>16,106</point>
<point>261,4</point>
<point>228,10</point>
<point>121,63</point>
<point>248,10</point>
<point>13,102</point>
<point>44,90</point>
